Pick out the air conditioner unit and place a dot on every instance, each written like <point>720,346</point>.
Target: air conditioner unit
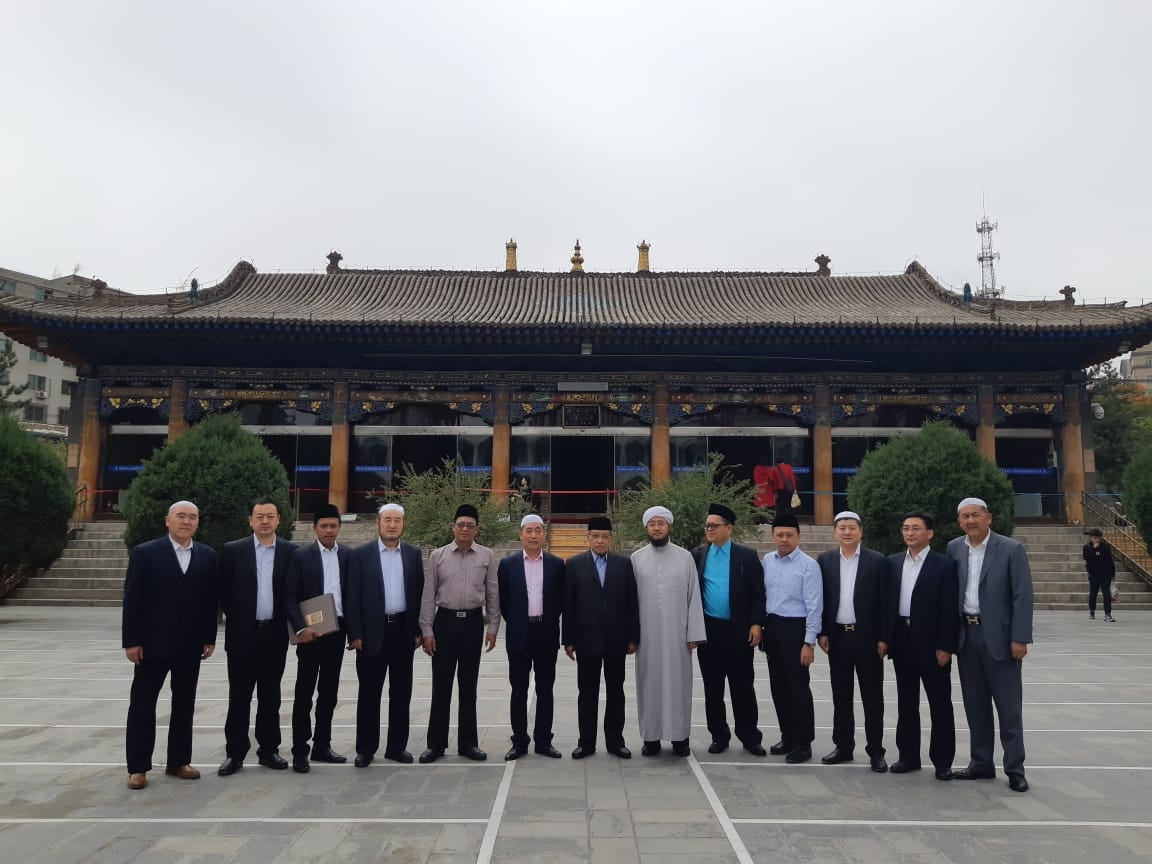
<point>41,394</point>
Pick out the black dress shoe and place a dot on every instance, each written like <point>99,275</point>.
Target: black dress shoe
<point>902,767</point>
<point>946,774</point>
<point>273,760</point>
<point>973,774</point>
<point>756,749</point>
<point>620,751</point>
<point>473,753</point>
<point>362,760</point>
<point>581,751</point>
<point>328,755</point>
<point>650,748</point>
<point>230,766</point>
<point>430,755</point>
<point>681,748</point>
<point>779,748</point>
<point>515,753</point>
<point>401,756</point>
<point>798,754</point>
<point>879,764</point>
<point>837,756</point>
<point>300,764</point>
<point>717,747</point>
<point>549,751</point>
<point>1017,783</point>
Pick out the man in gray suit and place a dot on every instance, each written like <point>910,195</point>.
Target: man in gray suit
<point>996,628</point>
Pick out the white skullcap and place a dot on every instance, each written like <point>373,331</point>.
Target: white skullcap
<point>653,512</point>
<point>971,502</point>
<point>183,504</point>
<point>391,508</point>
<point>848,514</point>
<point>531,519</point>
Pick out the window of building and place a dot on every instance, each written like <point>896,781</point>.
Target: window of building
<point>34,354</point>
<point>62,416</point>
<point>37,382</point>
<point>67,388</point>
<point>39,295</point>
<point>35,413</point>
<point>7,286</point>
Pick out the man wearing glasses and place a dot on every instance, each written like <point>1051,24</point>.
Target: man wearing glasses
<point>460,587</point>
<point>732,585</point>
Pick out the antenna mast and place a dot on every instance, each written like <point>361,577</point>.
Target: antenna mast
<point>987,258</point>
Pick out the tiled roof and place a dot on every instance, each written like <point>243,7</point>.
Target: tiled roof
<point>562,301</point>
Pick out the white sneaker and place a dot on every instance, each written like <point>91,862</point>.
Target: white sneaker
<point>1109,619</point>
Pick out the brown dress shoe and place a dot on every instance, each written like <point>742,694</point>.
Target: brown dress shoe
<point>184,772</point>
<point>137,781</point>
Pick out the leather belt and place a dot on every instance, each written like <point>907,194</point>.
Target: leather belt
<point>262,624</point>
<point>393,617</point>
<point>535,619</point>
<point>459,613</point>
<point>846,628</point>
<point>971,619</point>
<point>907,621</point>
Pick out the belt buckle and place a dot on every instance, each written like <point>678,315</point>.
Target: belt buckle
<point>391,617</point>
<point>849,628</point>
<point>907,621</point>
<point>461,613</point>
<point>972,619</point>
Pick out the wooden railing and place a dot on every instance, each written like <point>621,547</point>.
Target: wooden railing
<point>1122,535</point>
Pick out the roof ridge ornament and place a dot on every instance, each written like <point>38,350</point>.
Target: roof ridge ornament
<point>642,266</point>
<point>1068,291</point>
<point>510,256</point>
<point>334,259</point>
<point>822,262</point>
<point>577,259</point>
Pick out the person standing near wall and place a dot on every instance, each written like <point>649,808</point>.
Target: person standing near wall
<point>1101,572</point>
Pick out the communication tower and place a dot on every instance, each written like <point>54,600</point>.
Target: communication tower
<point>987,258</point>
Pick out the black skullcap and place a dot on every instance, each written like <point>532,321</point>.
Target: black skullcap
<point>468,511</point>
<point>599,523</point>
<point>326,511</point>
<point>786,522</point>
<point>723,512</point>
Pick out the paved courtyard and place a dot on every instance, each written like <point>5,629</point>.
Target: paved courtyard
<point>1088,722</point>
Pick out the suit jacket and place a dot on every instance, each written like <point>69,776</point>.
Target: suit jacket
<point>305,580</point>
<point>745,585</point>
<point>869,600</point>
<point>364,594</point>
<point>935,625</point>
<point>238,591</point>
<point>167,612</point>
<point>600,620</point>
<point>514,599</point>
<point>1005,592</point>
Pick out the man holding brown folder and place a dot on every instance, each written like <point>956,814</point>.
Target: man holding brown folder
<point>316,571</point>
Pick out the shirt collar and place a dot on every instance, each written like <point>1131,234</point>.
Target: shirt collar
<point>721,550</point>
<point>528,557</point>
<point>855,554</point>
<point>918,557</point>
<point>324,548</point>
<point>791,555</point>
<point>383,548</point>
<point>979,547</point>
<point>259,545</point>
<point>177,546</point>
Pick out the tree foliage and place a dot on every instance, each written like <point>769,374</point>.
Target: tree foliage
<point>10,402</point>
<point>688,495</point>
<point>430,499</point>
<point>36,502</point>
<point>1138,494</point>
<point>932,471</point>
<point>1124,430</point>
<point>218,467</point>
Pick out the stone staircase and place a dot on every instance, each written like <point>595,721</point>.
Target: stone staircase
<point>567,540</point>
<point>90,572</point>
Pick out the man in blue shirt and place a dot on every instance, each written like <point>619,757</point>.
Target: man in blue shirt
<point>794,604</point>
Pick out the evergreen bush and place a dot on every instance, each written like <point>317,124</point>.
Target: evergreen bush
<point>1138,494</point>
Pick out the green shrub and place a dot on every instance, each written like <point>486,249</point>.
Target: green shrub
<point>36,502</point>
<point>430,499</point>
<point>218,467</point>
<point>688,495</point>
<point>931,471</point>
<point>1138,493</point>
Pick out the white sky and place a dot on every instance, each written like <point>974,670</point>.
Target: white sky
<point>146,140</point>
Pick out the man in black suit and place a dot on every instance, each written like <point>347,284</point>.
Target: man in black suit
<point>922,590</point>
<point>732,588</point>
<point>531,600</point>
<point>601,626</point>
<point>316,569</point>
<point>252,575</point>
<point>854,635</point>
<point>385,583</point>
<point>168,627</point>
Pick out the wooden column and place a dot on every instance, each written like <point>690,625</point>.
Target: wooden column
<point>986,431</point>
<point>1073,456</point>
<point>661,459</point>
<point>824,506</point>
<point>177,397</point>
<point>341,442</point>
<point>501,445</point>
<point>91,438</point>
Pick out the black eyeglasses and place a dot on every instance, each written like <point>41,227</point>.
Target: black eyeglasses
<point>712,526</point>
<point>467,526</point>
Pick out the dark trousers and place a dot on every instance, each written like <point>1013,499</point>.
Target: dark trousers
<point>539,658</point>
<point>985,680</point>
<point>317,671</point>
<point>394,663</point>
<point>147,681</point>
<point>1100,583</point>
<point>791,690</point>
<point>261,670</point>
<point>727,656</point>
<point>588,667</point>
<point>914,669</point>
<point>849,653</point>
<point>459,642</point>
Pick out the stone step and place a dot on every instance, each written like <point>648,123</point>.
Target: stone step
<point>90,543</point>
<point>72,601</point>
<point>30,590</point>
<point>90,563</point>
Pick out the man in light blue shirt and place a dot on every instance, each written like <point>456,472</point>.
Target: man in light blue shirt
<point>794,604</point>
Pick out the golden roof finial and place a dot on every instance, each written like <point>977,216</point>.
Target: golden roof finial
<point>642,266</point>
<point>577,259</point>
<point>510,256</point>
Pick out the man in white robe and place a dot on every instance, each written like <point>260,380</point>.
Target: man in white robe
<point>672,621</point>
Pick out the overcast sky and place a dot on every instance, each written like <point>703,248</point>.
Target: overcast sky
<point>149,140</point>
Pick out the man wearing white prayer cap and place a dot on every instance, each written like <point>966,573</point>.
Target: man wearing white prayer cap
<point>995,629</point>
<point>531,601</point>
<point>672,621</point>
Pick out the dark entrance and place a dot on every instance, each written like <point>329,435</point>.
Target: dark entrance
<point>741,454</point>
<point>581,470</point>
<point>422,452</point>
